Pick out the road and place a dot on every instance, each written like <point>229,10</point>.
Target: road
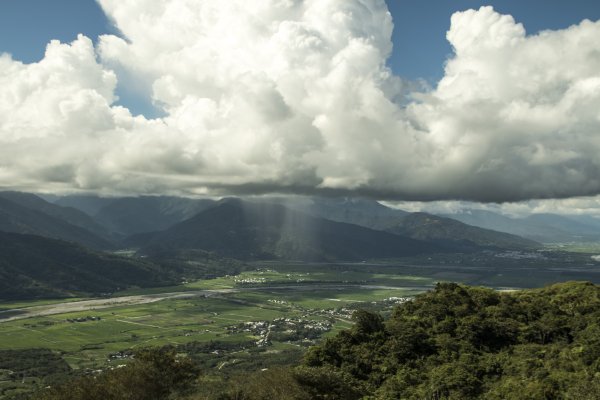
<point>97,304</point>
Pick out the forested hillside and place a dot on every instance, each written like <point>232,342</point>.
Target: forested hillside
<point>38,267</point>
<point>459,342</point>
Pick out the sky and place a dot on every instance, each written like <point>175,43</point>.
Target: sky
<point>420,27</point>
<point>442,102</point>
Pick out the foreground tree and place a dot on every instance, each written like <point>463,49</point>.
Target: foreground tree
<point>154,374</point>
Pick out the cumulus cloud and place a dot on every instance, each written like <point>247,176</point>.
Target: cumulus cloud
<point>295,96</point>
<point>517,117</point>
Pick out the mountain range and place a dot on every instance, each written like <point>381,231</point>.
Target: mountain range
<point>131,215</point>
<point>140,221</point>
<point>444,231</point>
<point>29,214</point>
<point>34,266</point>
<point>250,230</point>
<point>59,245</point>
<point>545,228</point>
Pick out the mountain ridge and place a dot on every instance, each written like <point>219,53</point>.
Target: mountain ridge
<point>34,267</point>
<point>422,226</point>
<point>541,227</point>
<point>17,218</point>
<point>236,228</point>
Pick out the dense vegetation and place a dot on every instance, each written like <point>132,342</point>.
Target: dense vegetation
<point>22,369</point>
<point>454,342</point>
<point>457,342</point>
<point>152,375</point>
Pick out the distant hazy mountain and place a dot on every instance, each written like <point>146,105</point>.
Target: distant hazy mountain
<point>421,226</point>
<point>68,214</point>
<point>588,220</point>
<point>582,229</point>
<point>131,215</point>
<point>17,217</point>
<point>363,212</point>
<point>34,266</point>
<point>454,233</point>
<point>546,228</point>
<point>88,204</point>
<point>248,230</point>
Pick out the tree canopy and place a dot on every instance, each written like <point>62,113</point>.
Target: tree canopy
<point>459,342</point>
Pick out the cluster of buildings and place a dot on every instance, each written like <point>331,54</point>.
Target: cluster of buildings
<point>282,329</point>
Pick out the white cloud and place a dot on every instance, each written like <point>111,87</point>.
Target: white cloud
<point>291,95</point>
<point>517,116</point>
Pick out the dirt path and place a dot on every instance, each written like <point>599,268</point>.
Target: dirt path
<point>97,304</point>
